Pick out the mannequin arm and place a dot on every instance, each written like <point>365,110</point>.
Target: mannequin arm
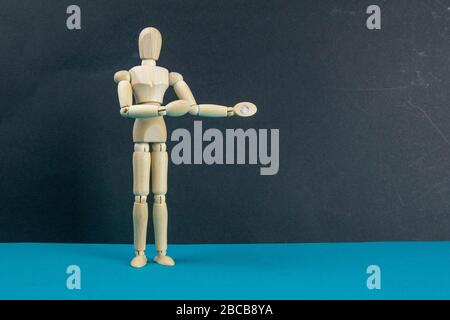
<point>124,90</point>
<point>173,109</point>
<point>128,110</point>
<point>125,93</point>
<point>182,90</point>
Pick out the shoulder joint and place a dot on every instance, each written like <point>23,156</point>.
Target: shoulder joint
<point>122,75</point>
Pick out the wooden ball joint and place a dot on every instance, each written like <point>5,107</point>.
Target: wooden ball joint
<point>147,83</point>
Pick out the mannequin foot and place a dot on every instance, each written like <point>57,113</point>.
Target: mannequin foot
<point>164,260</point>
<point>139,261</point>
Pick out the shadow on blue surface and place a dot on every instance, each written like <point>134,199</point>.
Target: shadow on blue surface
<point>409,270</point>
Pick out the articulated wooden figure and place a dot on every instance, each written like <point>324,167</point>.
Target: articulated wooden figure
<point>148,84</point>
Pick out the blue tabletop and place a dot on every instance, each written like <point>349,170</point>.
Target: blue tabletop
<point>382,270</point>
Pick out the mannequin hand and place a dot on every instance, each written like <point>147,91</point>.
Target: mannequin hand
<point>244,109</point>
<point>124,112</point>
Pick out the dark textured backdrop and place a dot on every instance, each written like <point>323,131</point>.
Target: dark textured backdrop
<point>364,119</point>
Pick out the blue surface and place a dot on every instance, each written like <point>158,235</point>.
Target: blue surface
<point>409,270</point>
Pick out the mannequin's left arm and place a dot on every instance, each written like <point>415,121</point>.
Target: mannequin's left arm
<point>183,92</point>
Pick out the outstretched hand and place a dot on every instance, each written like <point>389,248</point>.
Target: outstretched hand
<point>244,109</point>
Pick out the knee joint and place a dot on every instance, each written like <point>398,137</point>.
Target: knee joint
<point>158,147</point>
<point>140,199</point>
<point>141,147</point>
<point>159,199</point>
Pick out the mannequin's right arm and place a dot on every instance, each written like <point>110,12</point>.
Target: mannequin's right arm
<point>125,93</point>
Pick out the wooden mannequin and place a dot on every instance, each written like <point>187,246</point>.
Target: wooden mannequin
<point>148,83</point>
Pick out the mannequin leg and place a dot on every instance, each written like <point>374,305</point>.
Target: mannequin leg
<point>159,189</point>
<point>141,185</point>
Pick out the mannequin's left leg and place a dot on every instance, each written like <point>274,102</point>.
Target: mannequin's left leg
<point>159,188</point>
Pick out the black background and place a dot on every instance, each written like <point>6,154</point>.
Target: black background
<point>363,116</point>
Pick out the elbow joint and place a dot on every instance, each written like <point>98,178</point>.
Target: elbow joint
<point>174,77</point>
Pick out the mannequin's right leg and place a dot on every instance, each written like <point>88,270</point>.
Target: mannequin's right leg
<point>141,186</point>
